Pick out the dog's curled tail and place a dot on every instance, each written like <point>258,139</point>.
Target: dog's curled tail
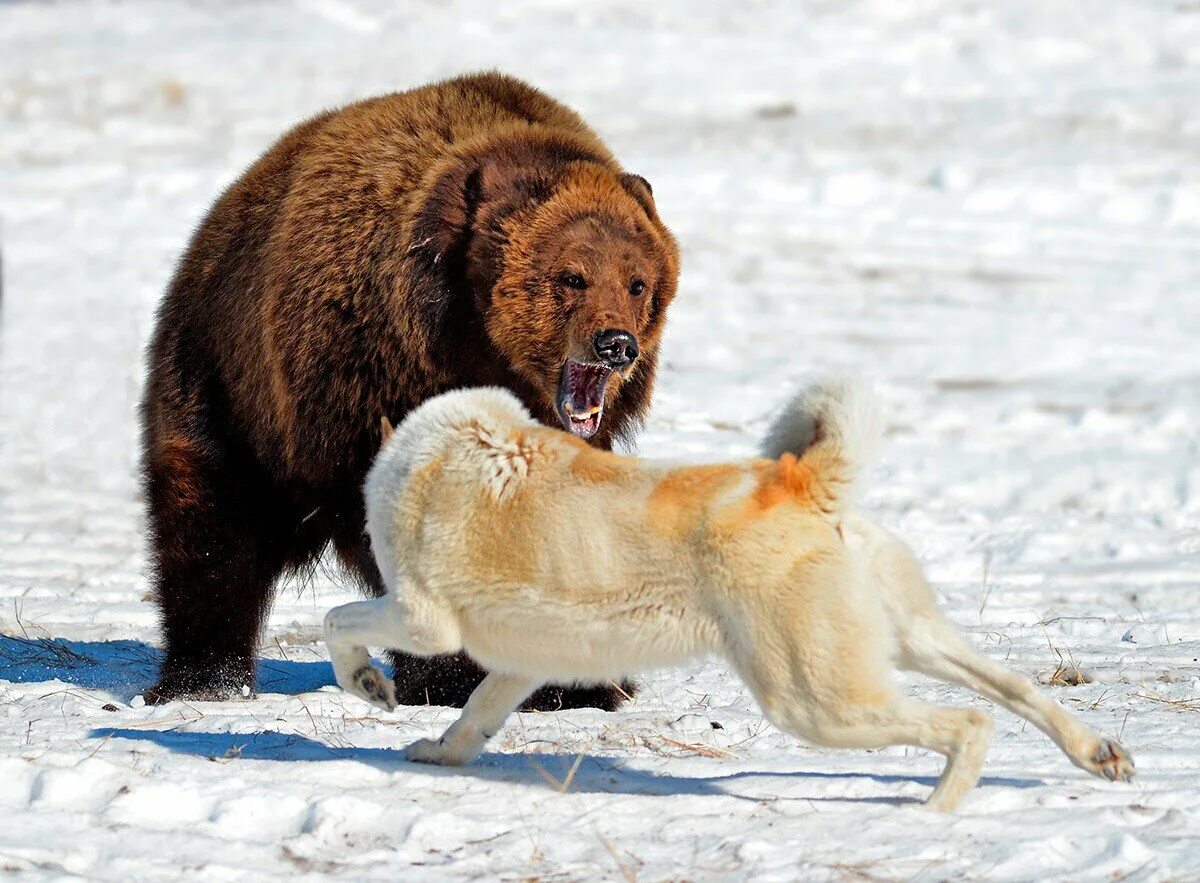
<point>833,427</point>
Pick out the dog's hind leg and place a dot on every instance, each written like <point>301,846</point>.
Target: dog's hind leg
<point>961,735</point>
<point>485,712</point>
<point>930,644</point>
<point>933,647</point>
<point>858,720</point>
<point>819,662</point>
<point>839,700</point>
<point>852,717</point>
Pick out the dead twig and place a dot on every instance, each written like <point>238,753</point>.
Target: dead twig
<point>702,750</point>
<point>1192,704</point>
<point>617,687</point>
<point>1068,674</point>
<point>563,786</point>
<point>625,870</point>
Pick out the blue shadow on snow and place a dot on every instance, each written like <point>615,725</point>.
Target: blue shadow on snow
<point>126,668</point>
<point>599,775</point>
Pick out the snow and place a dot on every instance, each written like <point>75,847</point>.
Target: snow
<point>990,210</point>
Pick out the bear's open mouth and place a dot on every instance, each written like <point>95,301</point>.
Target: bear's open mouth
<point>581,397</point>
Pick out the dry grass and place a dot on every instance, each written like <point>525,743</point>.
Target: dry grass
<point>1067,674</point>
<point>50,651</point>
<point>565,785</point>
<point>689,747</point>
<point>1190,704</point>
<point>626,871</point>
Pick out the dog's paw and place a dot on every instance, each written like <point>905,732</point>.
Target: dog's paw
<point>940,803</point>
<point>1112,762</point>
<point>436,751</point>
<point>373,685</point>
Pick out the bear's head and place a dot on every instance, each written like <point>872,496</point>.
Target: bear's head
<point>567,266</point>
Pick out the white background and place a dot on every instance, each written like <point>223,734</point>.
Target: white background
<point>990,209</point>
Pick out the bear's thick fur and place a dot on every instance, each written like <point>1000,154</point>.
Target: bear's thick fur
<point>471,232</point>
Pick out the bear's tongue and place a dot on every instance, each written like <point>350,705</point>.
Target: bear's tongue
<point>581,397</point>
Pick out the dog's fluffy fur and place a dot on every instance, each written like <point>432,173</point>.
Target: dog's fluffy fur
<point>546,559</point>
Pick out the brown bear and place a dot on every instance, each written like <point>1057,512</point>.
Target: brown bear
<point>467,233</point>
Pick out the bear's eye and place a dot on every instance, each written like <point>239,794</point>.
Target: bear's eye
<point>573,280</point>
<point>636,287</point>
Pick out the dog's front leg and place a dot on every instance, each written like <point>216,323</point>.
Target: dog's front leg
<point>483,715</point>
<point>349,629</point>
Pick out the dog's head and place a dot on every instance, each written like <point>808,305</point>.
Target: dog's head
<point>571,271</point>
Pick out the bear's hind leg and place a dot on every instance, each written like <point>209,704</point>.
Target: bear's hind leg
<point>216,549</point>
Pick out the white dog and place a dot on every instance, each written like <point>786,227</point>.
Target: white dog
<point>546,559</point>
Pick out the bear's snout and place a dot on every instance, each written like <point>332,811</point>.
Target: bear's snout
<point>615,348</point>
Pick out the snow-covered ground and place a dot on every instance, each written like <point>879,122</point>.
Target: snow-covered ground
<point>992,209</point>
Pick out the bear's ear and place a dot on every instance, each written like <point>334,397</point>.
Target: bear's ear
<point>447,213</point>
<point>446,219</point>
<point>639,188</point>
<point>507,183</point>
<point>436,249</point>
<point>450,263</point>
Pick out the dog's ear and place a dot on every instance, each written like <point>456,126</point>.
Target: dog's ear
<point>386,426</point>
<point>639,188</point>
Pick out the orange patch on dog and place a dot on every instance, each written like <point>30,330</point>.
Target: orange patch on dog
<point>566,438</point>
<point>678,501</point>
<point>501,538</point>
<point>417,495</point>
<point>502,542</point>
<point>596,467</point>
<point>591,465</point>
<point>787,479</point>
